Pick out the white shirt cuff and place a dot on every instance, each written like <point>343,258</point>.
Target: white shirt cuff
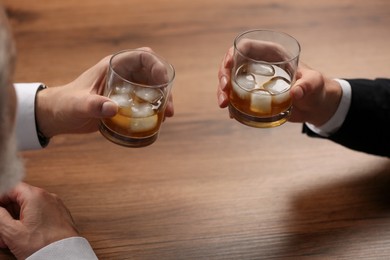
<point>66,249</point>
<point>26,131</point>
<point>337,120</point>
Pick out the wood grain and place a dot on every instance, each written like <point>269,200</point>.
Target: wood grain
<point>210,188</point>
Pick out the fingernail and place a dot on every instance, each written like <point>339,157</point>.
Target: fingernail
<point>297,92</point>
<point>224,82</point>
<point>222,100</point>
<point>109,109</point>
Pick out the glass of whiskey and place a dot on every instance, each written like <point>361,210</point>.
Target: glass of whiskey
<point>265,64</point>
<point>140,82</point>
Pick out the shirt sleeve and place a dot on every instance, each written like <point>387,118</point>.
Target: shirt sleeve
<point>25,125</point>
<point>336,121</point>
<point>66,249</point>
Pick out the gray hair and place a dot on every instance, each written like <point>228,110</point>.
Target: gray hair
<point>11,166</point>
<point>7,60</point>
<point>7,52</point>
<point>7,57</point>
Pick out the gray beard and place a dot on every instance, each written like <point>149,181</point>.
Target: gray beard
<point>11,165</point>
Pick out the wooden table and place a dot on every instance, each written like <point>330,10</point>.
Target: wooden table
<point>210,188</point>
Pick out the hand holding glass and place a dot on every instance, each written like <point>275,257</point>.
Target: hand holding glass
<point>265,64</point>
<point>140,83</point>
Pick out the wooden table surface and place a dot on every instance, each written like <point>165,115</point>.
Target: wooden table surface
<point>210,188</point>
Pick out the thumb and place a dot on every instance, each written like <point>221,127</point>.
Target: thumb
<point>297,91</point>
<point>306,85</point>
<point>5,223</point>
<point>97,106</point>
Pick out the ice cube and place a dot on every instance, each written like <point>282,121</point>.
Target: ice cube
<point>141,110</point>
<point>261,69</point>
<point>124,89</point>
<point>261,101</point>
<point>277,85</point>
<point>136,109</point>
<point>261,73</point>
<point>150,95</point>
<point>243,83</point>
<point>123,100</point>
<point>246,81</point>
<point>143,124</point>
<point>282,73</point>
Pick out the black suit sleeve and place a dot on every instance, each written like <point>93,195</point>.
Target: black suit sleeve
<point>367,125</point>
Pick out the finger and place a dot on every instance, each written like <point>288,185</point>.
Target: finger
<point>6,223</point>
<point>154,70</point>
<point>96,106</point>
<point>297,92</point>
<point>224,79</point>
<point>224,83</point>
<point>263,50</point>
<point>14,194</point>
<point>10,212</point>
<point>148,68</point>
<point>302,88</point>
<point>226,64</point>
<point>21,193</point>
<point>145,49</point>
<point>8,202</point>
<point>225,70</point>
<point>223,100</point>
<point>229,58</point>
<point>5,218</point>
<point>307,95</point>
<point>169,111</point>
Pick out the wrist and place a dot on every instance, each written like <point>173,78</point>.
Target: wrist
<point>330,102</point>
<point>335,122</point>
<point>43,113</point>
